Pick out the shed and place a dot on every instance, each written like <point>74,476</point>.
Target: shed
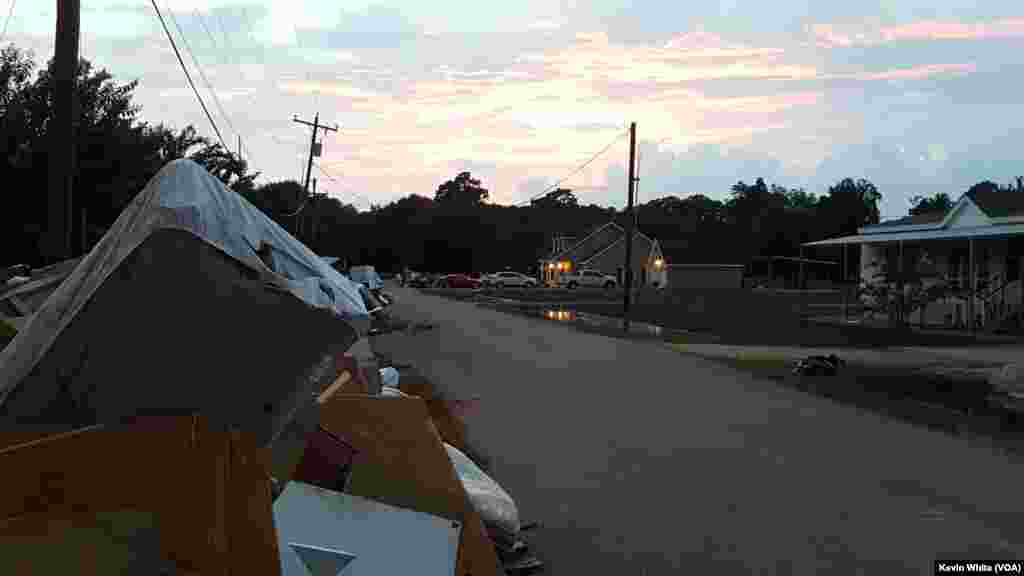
<point>683,276</point>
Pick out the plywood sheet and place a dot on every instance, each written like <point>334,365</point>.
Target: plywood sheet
<point>403,462</point>
<point>204,494</point>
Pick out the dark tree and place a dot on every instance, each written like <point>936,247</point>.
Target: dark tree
<point>558,198</point>
<point>464,189</point>
<point>940,202</point>
<point>849,205</point>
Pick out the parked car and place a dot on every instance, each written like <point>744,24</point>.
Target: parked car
<point>588,278</point>
<point>458,281</point>
<point>420,280</point>
<point>501,280</point>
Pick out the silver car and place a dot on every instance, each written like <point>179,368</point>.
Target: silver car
<point>511,279</point>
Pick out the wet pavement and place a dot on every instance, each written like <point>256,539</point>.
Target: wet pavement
<point>637,459</point>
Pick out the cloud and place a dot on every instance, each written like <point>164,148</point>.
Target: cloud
<point>545,25</point>
<point>917,72</point>
<point>839,35</point>
<point>376,27</point>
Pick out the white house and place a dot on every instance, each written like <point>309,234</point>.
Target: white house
<point>975,249</point>
<point>604,249</point>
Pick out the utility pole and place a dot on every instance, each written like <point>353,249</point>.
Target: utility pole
<point>60,218</point>
<point>239,146</point>
<point>629,227</point>
<point>314,150</point>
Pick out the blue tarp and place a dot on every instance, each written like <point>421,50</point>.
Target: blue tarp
<point>366,275</point>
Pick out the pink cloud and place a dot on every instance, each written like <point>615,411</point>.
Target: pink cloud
<point>917,72</point>
<point>833,35</point>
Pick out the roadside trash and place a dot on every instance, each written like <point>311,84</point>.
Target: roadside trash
<point>461,408</point>
<point>393,392</point>
<point>326,461</point>
<point>389,377</point>
<point>819,366</point>
<point>515,554</point>
<point>495,506</point>
<point>422,327</point>
<point>1009,379</point>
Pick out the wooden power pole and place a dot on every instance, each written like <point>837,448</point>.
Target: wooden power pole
<point>629,227</point>
<point>314,150</point>
<point>60,218</point>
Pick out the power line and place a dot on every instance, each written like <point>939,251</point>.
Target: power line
<point>187,75</point>
<point>330,177</point>
<point>10,12</point>
<point>202,22</point>
<point>577,170</point>
<point>209,86</point>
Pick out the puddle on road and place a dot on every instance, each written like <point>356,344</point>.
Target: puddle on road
<point>601,323</point>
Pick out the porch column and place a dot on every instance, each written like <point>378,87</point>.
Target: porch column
<point>970,282</point>
<point>842,285</point>
<point>900,304</point>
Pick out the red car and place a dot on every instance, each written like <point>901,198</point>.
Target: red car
<point>459,281</point>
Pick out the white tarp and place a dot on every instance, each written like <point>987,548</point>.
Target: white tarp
<point>183,196</point>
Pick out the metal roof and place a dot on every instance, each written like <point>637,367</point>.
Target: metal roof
<point>794,259</point>
<point>707,266</point>
<point>919,235</point>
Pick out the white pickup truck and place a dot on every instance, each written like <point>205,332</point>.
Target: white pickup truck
<point>587,278</point>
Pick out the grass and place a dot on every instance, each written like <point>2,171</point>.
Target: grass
<point>951,404</point>
<point>7,333</point>
<point>776,325</point>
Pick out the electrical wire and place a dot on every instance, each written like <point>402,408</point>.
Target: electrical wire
<point>10,12</point>
<point>227,51</point>
<point>209,86</point>
<point>576,171</point>
<point>349,192</point>
<point>187,75</point>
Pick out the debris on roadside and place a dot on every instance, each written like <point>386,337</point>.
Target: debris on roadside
<point>819,366</point>
<point>334,450</point>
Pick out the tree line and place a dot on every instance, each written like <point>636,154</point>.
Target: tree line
<point>454,229</point>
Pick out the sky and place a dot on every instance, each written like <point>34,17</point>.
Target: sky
<point>917,96</point>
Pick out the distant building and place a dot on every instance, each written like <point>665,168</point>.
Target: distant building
<point>973,251</point>
<point>604,250</point>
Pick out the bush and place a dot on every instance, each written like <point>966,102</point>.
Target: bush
<point>7,333</point>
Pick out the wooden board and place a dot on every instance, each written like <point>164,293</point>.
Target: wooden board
<point>402,462</point>
<point>205,494</point>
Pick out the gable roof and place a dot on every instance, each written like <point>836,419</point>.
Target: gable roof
<point>998,203</point>
<point>598,239</point>
<point>636,235</point>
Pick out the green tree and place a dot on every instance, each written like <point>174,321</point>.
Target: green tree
<point>849,205</point>
<point>116,153</point>
<point>940,202</point>
<point>798,198</point>
<point>462,190</point>
<point>558,198</point>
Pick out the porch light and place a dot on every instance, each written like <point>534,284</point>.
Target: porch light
<point>658,263</point>
<point>551,266</point>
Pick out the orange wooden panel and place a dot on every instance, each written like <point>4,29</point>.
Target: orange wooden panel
<point>208,491</point>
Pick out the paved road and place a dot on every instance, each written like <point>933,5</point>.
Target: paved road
<point>641,460</point>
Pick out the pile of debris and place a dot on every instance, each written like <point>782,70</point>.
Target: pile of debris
<point>818,365</point>
<point>199,394</point>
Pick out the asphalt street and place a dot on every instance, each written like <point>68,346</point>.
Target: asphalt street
<point>638,459</point>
